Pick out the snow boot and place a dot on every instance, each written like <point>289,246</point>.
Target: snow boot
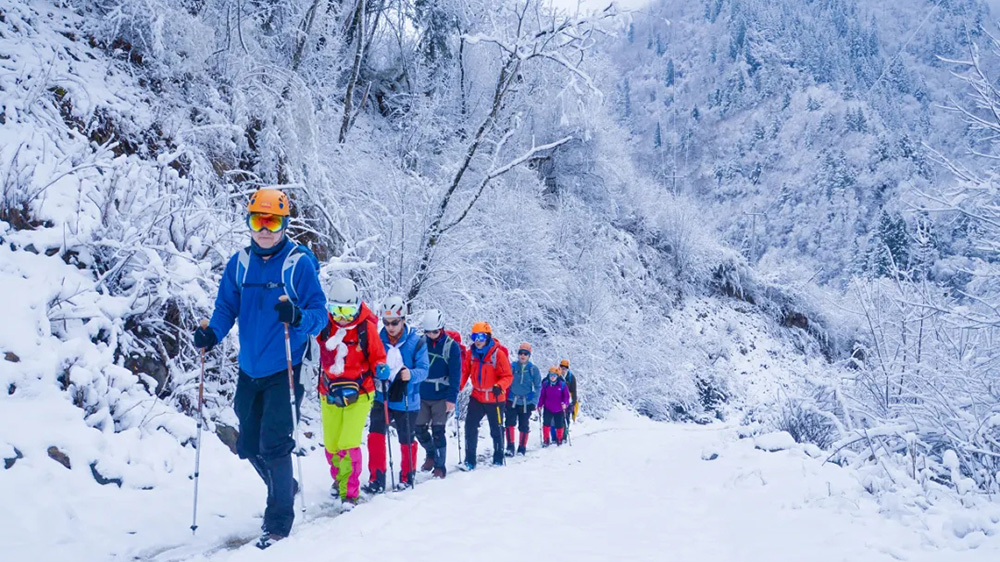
<point>522,445</point>
<point>545,436</point>
<point>467,466</point>
<point>560,436</point>
<point>347,504</point>
<point>267,539</point>
<point>428,464</point>
<point>440,472</point>
<point>510,441</point>
<point>376,485</point>
<point>335,491</point>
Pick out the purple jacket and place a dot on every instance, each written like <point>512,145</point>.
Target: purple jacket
<point>554,397</point>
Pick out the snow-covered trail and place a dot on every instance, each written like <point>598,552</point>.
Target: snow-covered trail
<point>631,489</point>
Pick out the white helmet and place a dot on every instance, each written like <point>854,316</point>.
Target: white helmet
<point>394,307</point>
<point>344,291</point>
<point>433,320</point>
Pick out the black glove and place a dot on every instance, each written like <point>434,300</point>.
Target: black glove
<point>288,313</point>
<point>204,338</point>
<point>497,391</point>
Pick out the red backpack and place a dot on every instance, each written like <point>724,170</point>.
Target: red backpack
<point>458,339</point>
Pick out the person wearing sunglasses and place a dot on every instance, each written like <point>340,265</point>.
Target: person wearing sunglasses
<point>521,399</point>
<point>406,354</point>
<point>438,393</point>
<point>488,369</point>
<point>250,293</point>
<point>351,357</point>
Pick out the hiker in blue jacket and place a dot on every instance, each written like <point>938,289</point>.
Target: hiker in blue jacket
<point>521,398</point>
<point>438,393</point>
<point>252,283</point>
<point>406,355</point>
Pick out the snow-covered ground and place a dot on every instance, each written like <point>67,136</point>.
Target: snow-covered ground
<point>627,489</point>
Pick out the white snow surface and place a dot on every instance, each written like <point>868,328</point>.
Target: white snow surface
<point>626,489</point>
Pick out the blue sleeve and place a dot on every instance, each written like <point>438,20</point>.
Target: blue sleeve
<point>227,302</point>
<point>454,372</point>
<point>312,301</point>
<point>421,362</point>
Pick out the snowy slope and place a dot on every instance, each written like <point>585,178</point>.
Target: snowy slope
<point>627,488</point>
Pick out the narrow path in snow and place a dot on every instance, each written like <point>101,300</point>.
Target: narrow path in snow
<point>640,491</point>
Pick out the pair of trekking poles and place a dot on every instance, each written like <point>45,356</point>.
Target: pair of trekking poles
<point>295,424</point>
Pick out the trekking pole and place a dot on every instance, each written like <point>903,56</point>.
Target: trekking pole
<point>566,423</point>
<point>500,423</point>
<point>388,443</point>
<point>406,421</point>
<point>541,428</point>
<point>458,429</point>
<point>295,418</point>
<point>197,450</point>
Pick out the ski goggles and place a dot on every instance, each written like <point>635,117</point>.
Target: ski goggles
<point>341,312</point>
<point>265,221</point>
<point>480,336</point>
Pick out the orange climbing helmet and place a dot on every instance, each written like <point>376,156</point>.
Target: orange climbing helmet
<point>482,328</point>
<point>564,363</point>
<point>525,346</point>
<point>269,201</point>
<point>553,370</point>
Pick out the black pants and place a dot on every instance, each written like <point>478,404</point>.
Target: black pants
<point>555,420</point>
<point>404,422</point>
<point>434,442</point>
<point>472,419</point>
<point>265,415</point>
<point>519,416</point>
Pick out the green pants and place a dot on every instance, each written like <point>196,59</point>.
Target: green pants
<point>342,429</point>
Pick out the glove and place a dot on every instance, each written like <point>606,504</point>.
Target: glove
<point>382,372</point>
<point>325,332</point>
<point>205,338</point>
<point>497,391</point>
<point>288,313</point>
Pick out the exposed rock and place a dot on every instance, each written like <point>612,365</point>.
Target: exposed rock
<point>227,435</point>
<point>9,462</point>
<point>59,456</point>
<point>11,356</point>
<point>100,477</point>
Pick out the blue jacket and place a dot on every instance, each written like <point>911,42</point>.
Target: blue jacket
<point>262,337</point>
<point>527,382</point>
<point>414,353</point>
<point>445,370</point>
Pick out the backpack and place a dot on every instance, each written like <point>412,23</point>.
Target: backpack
<point>287,270</point>
<point>443,381</point>
<point>461,346</point>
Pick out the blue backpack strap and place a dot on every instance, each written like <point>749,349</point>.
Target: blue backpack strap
<point>242,265</point>
<point>288,272</point>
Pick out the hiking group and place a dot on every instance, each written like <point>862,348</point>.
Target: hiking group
<point>389,377</point>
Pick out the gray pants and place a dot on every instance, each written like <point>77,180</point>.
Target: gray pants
<point>430,430</point>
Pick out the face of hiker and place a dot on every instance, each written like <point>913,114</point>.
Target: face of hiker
<point>523,356</point>
<point>267,239</point>
<point>393,326</point>
<point>479,339</point>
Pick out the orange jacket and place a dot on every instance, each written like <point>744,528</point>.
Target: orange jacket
<point>356,366</point>
<point>493,369</point>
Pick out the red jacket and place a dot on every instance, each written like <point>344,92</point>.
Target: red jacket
<point>493,369</point>
<point>356,366</point>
